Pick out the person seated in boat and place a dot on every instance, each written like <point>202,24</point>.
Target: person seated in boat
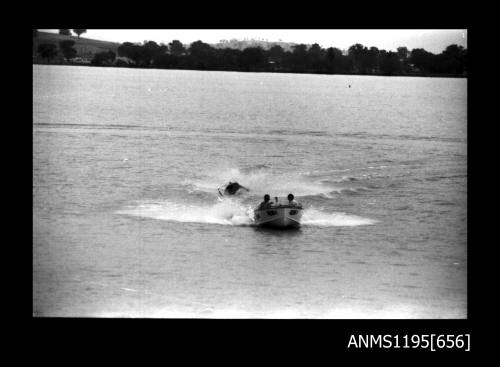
<point>233,187</point>
<point>291,200</point>
<point>266,203</point>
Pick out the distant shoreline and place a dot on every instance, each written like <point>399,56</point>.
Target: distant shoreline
<point>266,57</point>
<point>260,71</point>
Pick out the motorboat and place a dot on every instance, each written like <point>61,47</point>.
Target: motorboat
<point>279,215</point>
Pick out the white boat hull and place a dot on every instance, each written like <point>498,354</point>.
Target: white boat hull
<point>281,216</point>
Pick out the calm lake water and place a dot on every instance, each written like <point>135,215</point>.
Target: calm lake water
<point>127,221</point>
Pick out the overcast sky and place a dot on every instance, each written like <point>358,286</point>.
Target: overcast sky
<point>389,39</point>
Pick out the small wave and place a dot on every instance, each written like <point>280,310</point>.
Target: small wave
<point>439,178</point>
<point>338,180</point>
<point>330,195</point>
<point>355,173</point>
<point>443,203</point>
<point>348,178</point>
<point>353,190</point>
<point>349,191</point>
<point>89,126</point>
<point>364,135</point>
<point>258,166</point>
<point>297,132</point>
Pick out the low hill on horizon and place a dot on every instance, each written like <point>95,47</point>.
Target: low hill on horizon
<point>85,47</point>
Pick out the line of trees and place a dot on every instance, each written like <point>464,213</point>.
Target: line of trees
<point>49,51</point>
<point>301,59</point>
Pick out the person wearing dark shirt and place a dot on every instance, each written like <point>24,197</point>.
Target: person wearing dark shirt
<point>233,187</point>
<point>266,203</point>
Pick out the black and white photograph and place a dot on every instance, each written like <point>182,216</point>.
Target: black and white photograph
<point>250,173</point>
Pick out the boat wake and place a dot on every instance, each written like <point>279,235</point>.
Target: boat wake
<point>231,212</point>
<point>314,217</point>
<point>263,180</point>
<point>227,212</point>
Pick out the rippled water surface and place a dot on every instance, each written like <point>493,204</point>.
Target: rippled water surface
<point>127,221</point>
